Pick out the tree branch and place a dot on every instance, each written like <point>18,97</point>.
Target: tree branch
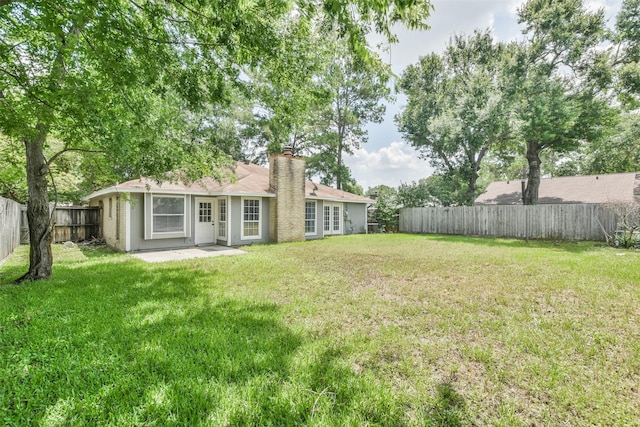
<point>26,88</point>
<point>195,12</point>
<point>66,150</point>
<point>168,18</point>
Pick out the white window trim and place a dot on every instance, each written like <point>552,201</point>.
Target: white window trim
<point>149,234</point>
<point>224,238</point>
<point>315,219</point>
<point>242,221</point>
<point>326,218</point>
<point>340,218</point>
<point>127,224</point>
<point>331,219</point>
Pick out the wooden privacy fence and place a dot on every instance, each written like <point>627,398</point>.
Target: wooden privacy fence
<point>72,223</point>
<point>558,222</point>
<point>9,227</point>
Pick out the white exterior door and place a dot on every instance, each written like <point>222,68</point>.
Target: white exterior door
<point>332,218</point>
<point>205,232</point>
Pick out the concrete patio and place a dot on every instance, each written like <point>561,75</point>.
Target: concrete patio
<point>186,253</point>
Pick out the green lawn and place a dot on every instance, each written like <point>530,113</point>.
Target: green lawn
<point>357,330</point>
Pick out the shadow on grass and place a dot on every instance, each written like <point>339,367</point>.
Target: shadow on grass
<point>143,345</point>
<point>98,251</point>
<point>361,399</point>
<point>18,263</point>
<point>448,408</point>
<point>125,343</point>
<point>576,247</point>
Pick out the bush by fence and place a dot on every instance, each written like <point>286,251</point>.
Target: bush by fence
<point>560,222</point>
<point>9,227</point>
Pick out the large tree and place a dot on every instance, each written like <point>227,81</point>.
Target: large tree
<point>120,76</point>
<point>319,105</point>
<point>555,100</point>
<point>355,90</point>
<point>288,94</point>
<point>456,110</point>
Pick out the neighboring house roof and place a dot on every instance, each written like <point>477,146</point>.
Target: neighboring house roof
<point>252,180</point>
<point>619,187</point>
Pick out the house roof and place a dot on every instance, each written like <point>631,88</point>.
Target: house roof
<point>619,187</point>
<point>251,180</point>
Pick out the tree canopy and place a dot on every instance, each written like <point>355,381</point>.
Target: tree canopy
<point>551,103</point>
<point>456,110</point>
<point>355,89</point>
<point>553,98</point>
<point>627,60</point>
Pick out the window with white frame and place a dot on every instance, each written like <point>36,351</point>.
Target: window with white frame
<point>251,219</point>
<point>310,217</point>
<point>168,215</point>
<point>336,218</point>
<point>327,218</point>
<point>222,218</point>
<point>204,212</point>
<point>332,218</point>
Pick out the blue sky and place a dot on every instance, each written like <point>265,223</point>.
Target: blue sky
<point>386,159</point>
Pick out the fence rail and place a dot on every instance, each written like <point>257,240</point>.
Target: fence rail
<point>71,223</point>
<point>9,227</point>
<point>558,222</point>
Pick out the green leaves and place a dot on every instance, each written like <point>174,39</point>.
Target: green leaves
<point>355,89</point>
<point>557,85</point>
<point>456,110</point>
<point>560,32</point>
<point>12,170</point>
<point>125,77</point>
<point>97,70</point>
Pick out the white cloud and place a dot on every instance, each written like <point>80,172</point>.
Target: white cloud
<point>514,6</point>
<point>594,5</point>
<point>388,165</point>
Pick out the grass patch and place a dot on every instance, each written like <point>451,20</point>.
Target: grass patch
<point>355,330</point>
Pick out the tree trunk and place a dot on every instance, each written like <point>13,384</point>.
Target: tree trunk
<point>530,196</point>
<point>339,169</point>
<point>38,215</point>
<point>472,184</point>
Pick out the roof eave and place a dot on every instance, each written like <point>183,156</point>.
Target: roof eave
<point>337,200</point>
<point>205,193</point>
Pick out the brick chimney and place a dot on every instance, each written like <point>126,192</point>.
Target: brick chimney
<point>286,210</point>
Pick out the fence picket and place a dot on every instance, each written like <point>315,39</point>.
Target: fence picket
<point>558,222</point>
<point>71,223</point>
<point>9,227</point>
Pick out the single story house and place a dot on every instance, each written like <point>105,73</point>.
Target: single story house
<point>263,205</point>
<point>596,189</point>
